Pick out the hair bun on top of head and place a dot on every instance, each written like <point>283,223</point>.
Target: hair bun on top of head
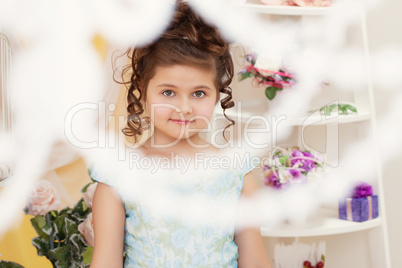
<point>188,25</point>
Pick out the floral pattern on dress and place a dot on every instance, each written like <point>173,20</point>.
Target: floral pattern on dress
<point>170,242</point>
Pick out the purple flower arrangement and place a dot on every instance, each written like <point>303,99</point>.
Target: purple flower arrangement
<point>290,166</point>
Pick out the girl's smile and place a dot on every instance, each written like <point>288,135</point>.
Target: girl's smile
<point>182,122</point>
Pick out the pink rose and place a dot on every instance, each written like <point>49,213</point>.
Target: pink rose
<point>43,198</point>
<point>89,194</point>
<point>267,63</point>
<point>86,228</point>
<point>312,3</point>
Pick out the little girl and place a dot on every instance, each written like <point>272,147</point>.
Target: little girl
<point>175,84</point>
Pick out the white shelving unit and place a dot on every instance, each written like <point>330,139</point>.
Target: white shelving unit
<point>259,106</point>
<point>286,10</point>
<point>325,223</point>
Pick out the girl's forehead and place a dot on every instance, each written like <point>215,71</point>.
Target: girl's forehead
<point>182,75</point>
<point>188,69</point>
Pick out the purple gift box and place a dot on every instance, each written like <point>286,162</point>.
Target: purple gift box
<point>359,209</point>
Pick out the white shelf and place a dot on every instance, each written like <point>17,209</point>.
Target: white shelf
<point>286,10</point>
<point>322,120</point>
<point>326,222</point>
<point>260,107</point>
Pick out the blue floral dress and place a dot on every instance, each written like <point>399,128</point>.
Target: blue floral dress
<point>153,240</point>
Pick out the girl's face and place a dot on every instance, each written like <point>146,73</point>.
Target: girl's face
<point>180,101</point>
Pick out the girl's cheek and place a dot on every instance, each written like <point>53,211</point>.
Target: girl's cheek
<point>161,100</point>
<point>208,109</point>
<point>160,103</point>
<point>160,111</point>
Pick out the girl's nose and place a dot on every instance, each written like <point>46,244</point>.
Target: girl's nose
<point>185,106</point>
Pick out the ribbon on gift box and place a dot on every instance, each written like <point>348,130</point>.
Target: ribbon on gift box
<point>362,190</point>
<point>370,205</point>
<point>349,208</point>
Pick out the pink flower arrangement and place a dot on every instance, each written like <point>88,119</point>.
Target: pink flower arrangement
<point>301,3</point>
<point>278,2</point>
<point>86,228</point>
<point>65,237</point>
<point>89,194</point>
<point>267,70</point>
<point>43,198</point>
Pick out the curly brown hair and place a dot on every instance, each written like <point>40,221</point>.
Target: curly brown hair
<point>188,40</point>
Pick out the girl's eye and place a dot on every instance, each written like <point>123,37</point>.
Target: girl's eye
<point>199,94</point>
<point>168,93</point>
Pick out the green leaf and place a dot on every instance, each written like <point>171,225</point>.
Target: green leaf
<point>84,206</point>
<point>75,242</point>
<point>38,223</point>
<point>41,245</point>
<point>245,75</point>
<point>351,108</point>
<point>70,227</point>
<point>327,110</point>
<point>84,189</point>
<point>78,208</point>
<point>283,159</point>
<point>343,110</point>
<point>40,220</point>
<point>64,211</point>
<point>59,222</point>
<point>331,108</point>
<point>59,227</point>
<point>270,92</point>
<point>47,229</point>
<point>87,255</point>
<point>9,264</point>
<point>53,213</point>
<point>61,255</point>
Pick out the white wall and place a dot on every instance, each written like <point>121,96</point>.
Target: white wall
<point>384,30</point>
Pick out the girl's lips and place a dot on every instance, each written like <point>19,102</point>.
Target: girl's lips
<point>182,122</point>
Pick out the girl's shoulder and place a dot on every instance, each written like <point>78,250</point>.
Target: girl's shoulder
<point>98,173</point>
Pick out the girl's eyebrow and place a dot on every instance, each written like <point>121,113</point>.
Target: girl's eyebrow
<point>166,85</point>
<point>173,86</point>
